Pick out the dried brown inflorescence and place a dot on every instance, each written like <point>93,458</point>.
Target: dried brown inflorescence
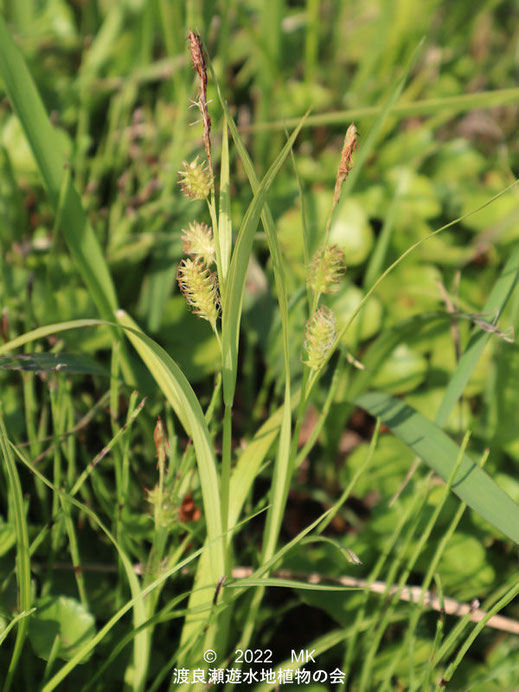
<point>160,440</point>
<point>345,164</point>
<point>198,59</point>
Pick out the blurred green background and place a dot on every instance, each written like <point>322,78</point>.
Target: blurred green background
<point>116,81</point>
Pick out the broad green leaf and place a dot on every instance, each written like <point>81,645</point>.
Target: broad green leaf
<point>403,371</point>
<point>463,565</point>
<point>472,484</point>
<point>351,231</point>
<point>66,618</point>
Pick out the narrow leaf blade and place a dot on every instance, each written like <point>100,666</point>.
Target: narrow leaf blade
<point>472,484</point>
<point>237,270</point>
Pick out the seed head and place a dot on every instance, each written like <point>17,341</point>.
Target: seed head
<point>345,164</point>
<point>195,179</point>
<point>161,441</point>
<point>198,241</point>
<point>199,287</point>
<point>199,64</point>
<point>197,56</point>
<point>163,504</point>
<point>319,337</point>
<point>326,269</point>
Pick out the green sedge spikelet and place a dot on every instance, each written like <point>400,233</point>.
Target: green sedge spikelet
<point>326,269</point>
<point>198,241</point>
<point>199,287</point>
<point>320,335</point>
<point>196,179</point>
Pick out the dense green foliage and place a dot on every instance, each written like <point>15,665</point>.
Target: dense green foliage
<point>116,531</point>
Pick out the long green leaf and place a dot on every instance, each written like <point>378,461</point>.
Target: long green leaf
<point>317,646</point>
<point>224,216</point>
<point>455,104</point>
<point>140,620</point>
<point>48,152</point>
<point>287,583</point>
<point>471,483</point>
<point>243,476</point>
<point>281,469</point>
<point>182,398</point>
<point>235,284</point>
<point>141,645</point>
<point>14,621</point>
<point>494,306</point>
<point>23,562</point>
<point>47,330</point>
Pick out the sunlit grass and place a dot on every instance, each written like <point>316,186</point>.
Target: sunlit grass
<point>167,473</point>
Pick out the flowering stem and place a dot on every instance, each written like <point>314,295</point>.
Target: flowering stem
<point>214,220</point>
<point>226,465</point>
<point>215,330</point>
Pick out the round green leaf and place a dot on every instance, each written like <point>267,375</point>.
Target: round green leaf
<point>403,371</point>
<point>465,568</point>
<point>352,232</point>
<point>66,618</point>
<point>344,303</point>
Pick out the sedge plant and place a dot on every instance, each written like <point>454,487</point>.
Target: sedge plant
<point>212,278</point>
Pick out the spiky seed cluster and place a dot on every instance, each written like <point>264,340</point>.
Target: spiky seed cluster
<point>195,179</point>
<point>199,287</point>
<point>326,269</point>
<point>198,241</point>
<point>163,505</point>
<point>319,337</point>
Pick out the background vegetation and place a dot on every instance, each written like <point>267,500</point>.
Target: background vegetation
<point>100,507</point>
